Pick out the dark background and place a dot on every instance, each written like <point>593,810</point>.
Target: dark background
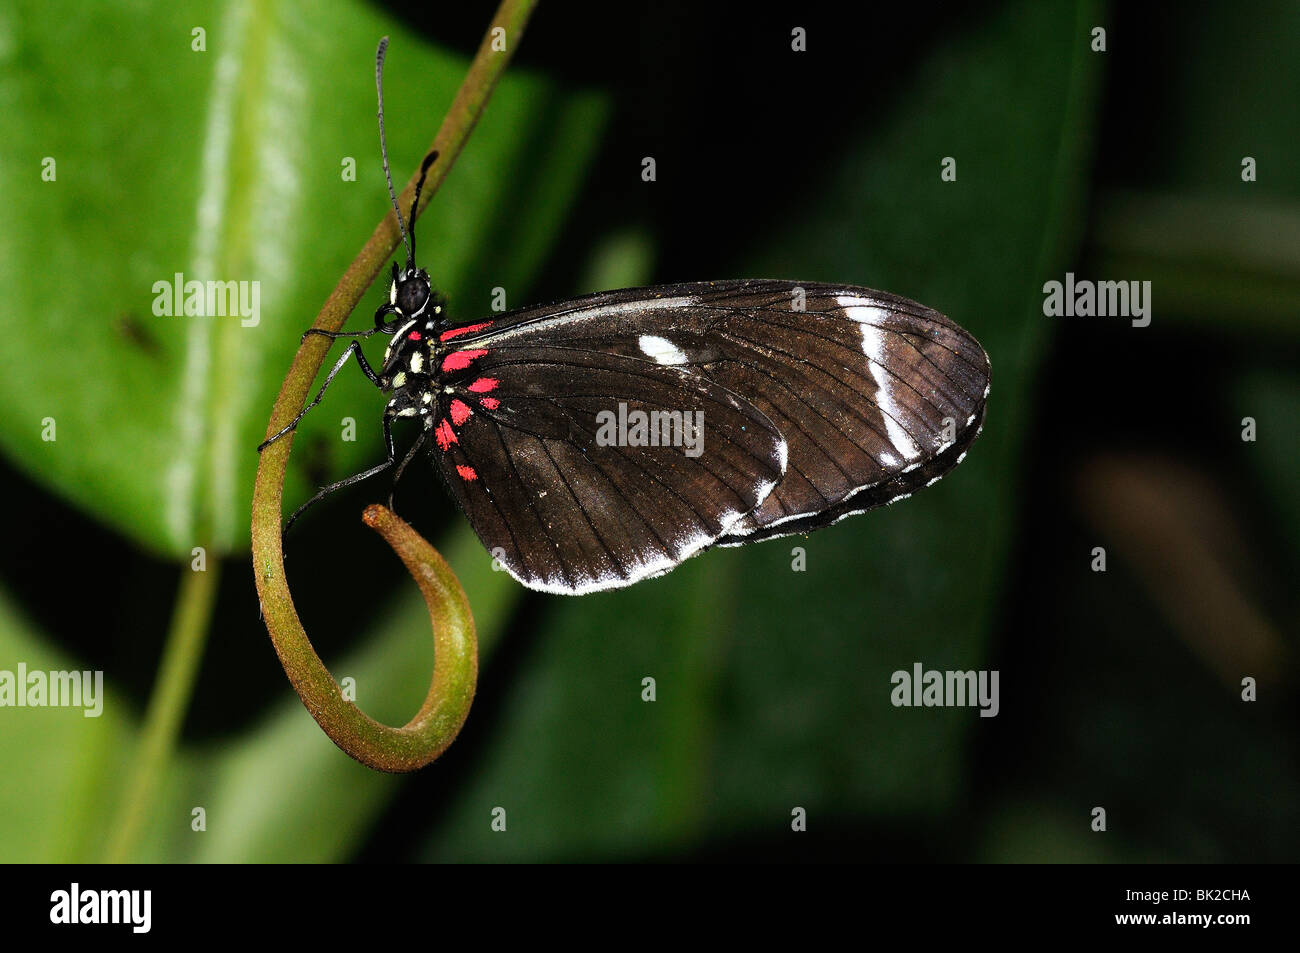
<point>1119,689</point>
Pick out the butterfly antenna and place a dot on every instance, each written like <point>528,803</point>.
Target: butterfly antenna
<point>383,149</point>
<point>415,202</point>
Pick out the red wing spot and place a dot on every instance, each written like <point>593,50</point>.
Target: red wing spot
<point>483,385</point>
<point>413,336</point>
<point>459,360</point>
<point>460,412</point>
<point>468,329</point>
<point>466,473</point>
<point>446,436</point>
<point>491,403</point>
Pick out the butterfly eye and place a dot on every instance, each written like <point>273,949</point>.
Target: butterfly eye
<point>412,295</point>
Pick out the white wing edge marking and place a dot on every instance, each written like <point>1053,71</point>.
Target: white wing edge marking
<point>655,567</point>
<point>839,519</point>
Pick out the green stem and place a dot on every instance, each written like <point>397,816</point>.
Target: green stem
<point>166,711</point>
<point>456,659</point>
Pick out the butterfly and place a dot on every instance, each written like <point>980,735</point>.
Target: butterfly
<point>597,442</point>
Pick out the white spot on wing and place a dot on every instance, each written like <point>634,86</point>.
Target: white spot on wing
<point>873,346</point>
<point>662,350</point>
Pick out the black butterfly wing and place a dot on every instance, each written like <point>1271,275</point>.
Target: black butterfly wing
<point>520,443</point>
<point>874,395</point>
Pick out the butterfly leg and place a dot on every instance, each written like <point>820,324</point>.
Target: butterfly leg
<point>410,455</point>
<point>353,349</point>
<point>355,478</point>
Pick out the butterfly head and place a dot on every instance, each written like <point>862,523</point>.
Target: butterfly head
<point>414,311</point>
<point>411,295</point>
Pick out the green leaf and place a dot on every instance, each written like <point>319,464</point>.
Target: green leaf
<point>61,760</point>
<point>772,685</point>
<point>229,165</point>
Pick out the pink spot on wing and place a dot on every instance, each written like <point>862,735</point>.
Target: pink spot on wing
<point>491,403</point>
<point>484,384</point>
<point>468,329</point>
<point>460,412</point>
<point>445,435</point>
<point>466,473</point>
<point>459,360</point>
<point>413,336</point>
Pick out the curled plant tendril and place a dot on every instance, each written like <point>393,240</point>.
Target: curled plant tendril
<point>445,708</point>
<point>438,721</point>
